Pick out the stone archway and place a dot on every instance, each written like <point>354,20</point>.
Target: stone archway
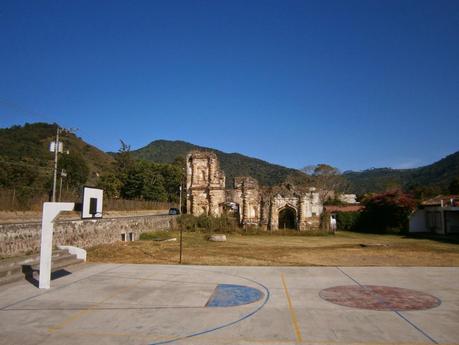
<point>231,210</point>
<point>287,218</point>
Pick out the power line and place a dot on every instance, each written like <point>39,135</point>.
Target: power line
<point>24,110</point>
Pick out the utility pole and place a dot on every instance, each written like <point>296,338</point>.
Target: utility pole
<point>58,147</point>
<point>181,228</point>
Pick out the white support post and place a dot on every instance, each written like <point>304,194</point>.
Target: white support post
<point>50,211</point>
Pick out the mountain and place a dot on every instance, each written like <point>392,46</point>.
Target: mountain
<point>436,177</point>
<point>25,151</point>
<point>233,164</point>
<point>25,161</point>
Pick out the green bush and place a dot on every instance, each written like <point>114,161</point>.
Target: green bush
<point>207,223</point>
<point>187,222</point>
<point>225,224</point>
<point>347,220</point>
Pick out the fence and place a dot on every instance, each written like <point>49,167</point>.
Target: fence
<point>131,205</point>
<point>11,201</point>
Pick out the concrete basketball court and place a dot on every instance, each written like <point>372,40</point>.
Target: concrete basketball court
<point>156,304</point>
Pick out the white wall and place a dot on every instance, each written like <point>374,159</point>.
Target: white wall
<point>452,220</point>
<point>418,221</point>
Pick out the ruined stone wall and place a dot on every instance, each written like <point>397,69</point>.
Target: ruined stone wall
<point>24,238</point>
<point>249,197</point>
<point>206,194</point>
<point>307,208</point>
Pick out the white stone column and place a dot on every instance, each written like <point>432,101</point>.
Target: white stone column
<point>301,214</point>
<point>50,211</point>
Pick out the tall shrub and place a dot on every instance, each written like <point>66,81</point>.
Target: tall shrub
<point>386,212</point>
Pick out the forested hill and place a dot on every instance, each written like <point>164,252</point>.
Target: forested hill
<point>434,178</point>
<point>233,164</point>
<point>27,165</point>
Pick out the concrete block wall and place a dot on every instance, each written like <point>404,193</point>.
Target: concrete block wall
<point>24,238</point>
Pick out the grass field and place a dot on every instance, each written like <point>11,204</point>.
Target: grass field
<point>342,249</point>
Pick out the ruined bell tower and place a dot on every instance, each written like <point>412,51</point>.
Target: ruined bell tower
<point>205,184</point>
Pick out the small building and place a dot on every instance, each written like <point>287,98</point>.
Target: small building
<point>348,198</point>
<point>439,215</point>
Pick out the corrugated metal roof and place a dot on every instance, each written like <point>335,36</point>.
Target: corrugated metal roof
<point>445,198</point>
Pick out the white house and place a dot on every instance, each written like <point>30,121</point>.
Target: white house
<point>439,215</point>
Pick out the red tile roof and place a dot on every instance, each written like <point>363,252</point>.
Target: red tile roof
<point>343,208</point>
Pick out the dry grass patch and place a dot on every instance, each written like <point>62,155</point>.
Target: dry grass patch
<point>343,249</point>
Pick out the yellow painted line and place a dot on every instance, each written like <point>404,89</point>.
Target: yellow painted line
<point>293,317</point>
<point>78,315</point>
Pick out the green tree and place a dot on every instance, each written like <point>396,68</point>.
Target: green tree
<point>325,170</point>
<point>144,181</point>
<point>24,179</point>
<point>76,168</point>
<point>454,186</point>
<point>153,186</point>
<point>124,162</point>
<point>173,176</point>
<point>327,179</point>
<point>421,192</point>
<point>111,185</point>
<point>132,180</point>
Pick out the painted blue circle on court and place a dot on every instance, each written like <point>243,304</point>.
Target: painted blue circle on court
<point>229,295</point>
<point>241,318</point>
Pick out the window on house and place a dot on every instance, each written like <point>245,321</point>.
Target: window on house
<point>123,237</point>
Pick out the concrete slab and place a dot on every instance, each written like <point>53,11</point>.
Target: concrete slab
<point>156,304</point>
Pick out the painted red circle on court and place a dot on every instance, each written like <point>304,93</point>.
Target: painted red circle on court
<point>376,297</point>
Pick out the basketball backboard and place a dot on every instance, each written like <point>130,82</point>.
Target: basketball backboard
<point>93,199</point>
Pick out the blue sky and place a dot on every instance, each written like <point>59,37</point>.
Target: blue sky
<point>356,84</point>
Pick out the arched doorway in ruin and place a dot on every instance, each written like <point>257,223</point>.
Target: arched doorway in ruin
<point>287,218</point>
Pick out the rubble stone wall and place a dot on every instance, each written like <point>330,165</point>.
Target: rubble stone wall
<point>24,238</point>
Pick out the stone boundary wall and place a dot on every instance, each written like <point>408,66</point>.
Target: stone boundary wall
<point>24,238</point>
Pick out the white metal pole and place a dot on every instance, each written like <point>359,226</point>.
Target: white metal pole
<point>56,150</point>
<point>180,201</point>
<point>60,189</point>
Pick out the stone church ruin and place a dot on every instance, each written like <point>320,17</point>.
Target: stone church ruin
<point>270,208</point>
